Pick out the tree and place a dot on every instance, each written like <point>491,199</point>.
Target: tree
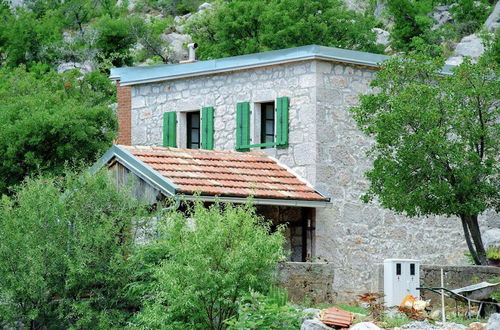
<point>209,261</point>
<point>26,38</point>
<point>49,119</point>
<point>437,140</point>
<point>247,26</point>
<point>63,248</point>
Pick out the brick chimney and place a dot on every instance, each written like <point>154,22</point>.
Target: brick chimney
<point>124,98</point>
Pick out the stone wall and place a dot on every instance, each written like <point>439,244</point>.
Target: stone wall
<point>353,235</point>
<point>223,92</point>
<point>456,276</point>
<point>309,281</point>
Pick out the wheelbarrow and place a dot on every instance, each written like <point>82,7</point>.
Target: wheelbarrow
<point>478,293</point>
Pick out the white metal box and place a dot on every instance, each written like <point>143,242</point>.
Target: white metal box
<point>401,277</point>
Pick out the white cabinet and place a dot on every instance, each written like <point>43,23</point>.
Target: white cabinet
<point>401,277</point>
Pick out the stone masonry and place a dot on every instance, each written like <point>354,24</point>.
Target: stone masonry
<point>325,148</point>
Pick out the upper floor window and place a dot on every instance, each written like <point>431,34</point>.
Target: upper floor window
<point>264,125</point>
<point>193,130</point>
<point>189,129</point>
<point>267,122</point>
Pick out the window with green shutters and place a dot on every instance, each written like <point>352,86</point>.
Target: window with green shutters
<point>243,126</point>
<point>282,122</point>
<point>207,128</point>
<point>280,130</point>
<point>170,129</point>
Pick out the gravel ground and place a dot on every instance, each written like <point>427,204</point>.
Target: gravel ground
<point>426,325</point>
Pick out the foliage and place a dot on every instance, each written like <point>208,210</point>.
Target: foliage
<point>257,311</point>
<point>116,38</point>
<point>49,119</point>
<point>495,295</point>
<point>493,253</point>
<point>247,26</point>
<point>413,23</point>
<point>149,36</point>
<point>173,7</point>
<point>26,38</point>
<point>436,139</point>
<point>353,309</point>
<point>389,322</point>
<point>64,263</point>
<point>411,20</point>
<point>471,14</point>
<point>214,258</point>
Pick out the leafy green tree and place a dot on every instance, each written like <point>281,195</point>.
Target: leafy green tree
<point>116,38</point>
<point>26,38</point>
<point>49,119</point>
<point>411,20</point>
<point>437,141</point>
<point>214,257</point>
<point>149,36</point>
<point>247,26</point>
<point>471,14</point>
<point>64,243</point>
<point>172,7</point>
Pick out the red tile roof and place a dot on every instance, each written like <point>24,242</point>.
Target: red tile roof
<point>225,173</point>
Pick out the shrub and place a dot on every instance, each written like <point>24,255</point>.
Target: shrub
<point>49,119</point>
<point>63,248</point>
<point>258,311</point>
<point>211,260</point>
<point>116,38</point>
<point>410,20</point>
<point>471,14</point>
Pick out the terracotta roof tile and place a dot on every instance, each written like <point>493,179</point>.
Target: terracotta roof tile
<point>225,173</point>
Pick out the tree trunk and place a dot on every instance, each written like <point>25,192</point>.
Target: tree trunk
<point>471,230</point>
<point>469,242</point>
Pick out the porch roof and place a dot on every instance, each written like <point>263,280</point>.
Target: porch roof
<point>230,175</point>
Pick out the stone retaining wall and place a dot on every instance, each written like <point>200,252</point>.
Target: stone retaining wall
<point>456,276</point>
<point>310,281</point>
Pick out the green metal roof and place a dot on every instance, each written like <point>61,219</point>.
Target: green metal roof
<point>147,74</point>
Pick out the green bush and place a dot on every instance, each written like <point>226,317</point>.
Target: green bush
<point>248,26</point>
<point>48,119</point>
<point>411,20</point>
<point>63,252</point>
<point>471,14</point>
<point>258,311</point>
<point>203,265</point>
<point>172,7</point>
<point>26,38</point>
<point>116,38</point>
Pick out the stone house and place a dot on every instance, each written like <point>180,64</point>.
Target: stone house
<point>292,105</point>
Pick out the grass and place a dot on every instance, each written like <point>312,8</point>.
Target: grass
<point>464,321</point>
<point>352,309</point>
<point>394,321</point>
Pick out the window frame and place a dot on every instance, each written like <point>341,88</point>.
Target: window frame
<point>190,128</point>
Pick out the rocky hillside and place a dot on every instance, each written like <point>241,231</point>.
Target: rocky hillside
<point>95,35</point>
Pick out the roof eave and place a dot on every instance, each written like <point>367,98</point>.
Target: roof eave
<point>259,201</point>
<point>138,167</point>
<point>246,67</point>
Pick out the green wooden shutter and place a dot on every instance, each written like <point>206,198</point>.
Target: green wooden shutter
<point>170,129</point>
<point>207,128</point>
<point>282,122</point>
<point>242,126</point>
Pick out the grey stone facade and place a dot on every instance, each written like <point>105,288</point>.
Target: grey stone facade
<point>325,148</point>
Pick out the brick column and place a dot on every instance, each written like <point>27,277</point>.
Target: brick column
<point>124,97</point>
